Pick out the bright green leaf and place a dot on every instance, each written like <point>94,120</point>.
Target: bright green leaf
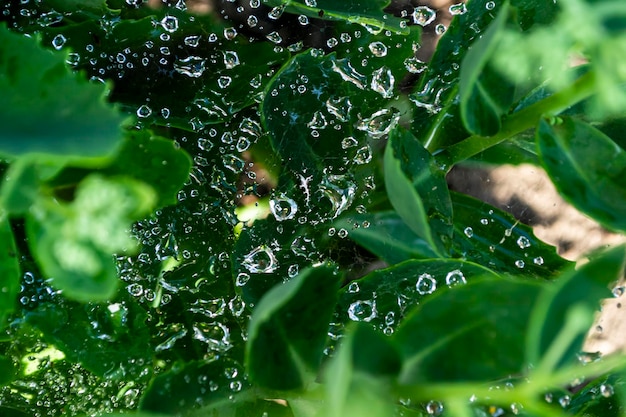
<point>74,243</point>
<point>288,329</point>
<point>474,332</point>
<point>483,93</point>
<point>47,109</point>
<point>8,370</point>
<point>565,310</point>
<point>594,185</point>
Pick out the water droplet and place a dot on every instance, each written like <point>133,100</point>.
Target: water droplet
<point>523,242</point>
<point>144,111</point>
<point>353,287</point>
<point>458,9</point>
<point>423,15</point>
<point>520,264</point>
<point>484,222</point>
<point>434,408</point>
<point>363,155</point>
<point>231,59</point>
<point>378,49</point>
<point>192,66</point>
<point>455,277</point>
<point>318,121</point>
<point>215,334</point>
<point>564,401</point>
<point>344,68</point>
<point>170,23</point>
<point>58,41</point>
<point>339,107</point>
<point>229,34</point>
<point>252,20</point>
<point>277,12</point>
<point>426,284</point>
<point>490,5</point>
<point>242,279</point>
<point>468,231</point>
<point>383,82</point>
<point>414,65</point>
<point>50,18</point>
<point>619,291</point>
<point>440,29</point>
<point>332,42</point>
<point>340,191</point>
<point>606,390</point>
<point>224,81</point>
<point>348,142</point>
<point>274,37</point>
<point>283,207</point>
<point>303,20</point>
<point>293,270</point>
<point>311,3</point>
<point>538,260</point>
<point>362,310</point>
<point>192,40</point>
<point>380,123</point>
<point>261,260</point>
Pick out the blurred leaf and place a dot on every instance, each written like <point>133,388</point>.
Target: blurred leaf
<point>474,332</point>
<point>287,331</point>
<point>364,12</point>
<point>488,236</point>
<point>386,236</point>
<point>383,297</point>
<point>411,174</point>
<point>154,160</point>
<point>110,340</point>
<point>23,182</point>
<point>533,12</point>
<point>192,385</point>
<point>72,118</point>
<point>603,397</point>
<point>565,309</point>
<point>355,383</point>
<point>74,243</point>
<point>483,93</point>
<point>587,168</point>
<point>10,272</point>
<point>8,370</point>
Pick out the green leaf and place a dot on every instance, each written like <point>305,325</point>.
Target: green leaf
<point>154,160</point>
<point>532,12</point>
<point>386,236</point>
<point>10,272</point>
<point>23,182</point>
<point>491,237</point>
<point>110,340</point>
<point>72,117</point>
<point>74,243</point>
<point>365,12</point>
<point>383,297</point>
<point>287,331</point>
<point>193,384</point>
<point>243,408</point>
<point>587,168</point>
<point>8,370</point>
<point>483,93</point>
<point>355,382</point>
<point>411,174</point>
<point>474,332</point>
<point>565,310</point>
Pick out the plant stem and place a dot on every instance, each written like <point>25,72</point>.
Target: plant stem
<point>520,121</point>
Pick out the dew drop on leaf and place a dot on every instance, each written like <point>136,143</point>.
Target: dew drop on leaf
<point>538,260</point>
<point>383,82</point>
<point>468,231</point>
<point>523,242</point>
<point>380,123</point>
<point>231,59</point>
<point>490,5</point>
<point>340,108</point>
<point>423,15</point>
<point>144,111</point>
<point>215,335</point>
<point>458,9</point>
<point>455,277</point>
<point>58,41</point>
<point>283,208</point>
<point>261,260</point>
<point>378,49</point>
<point>520,264</point>
<point>363,155</point>
<point>434,408</point>
<point>274,37</point>
<point>353,288</point>
<point>170,23</point>
<point>340,191</point>
<point>348,142</point>
<point>362,310</point>
<point>426,284</point>
<point>414,65</point>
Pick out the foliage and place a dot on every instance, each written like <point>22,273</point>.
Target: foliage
<point>244,211</point>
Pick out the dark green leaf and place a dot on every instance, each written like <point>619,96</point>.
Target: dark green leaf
<point>192,385</point>
<point>588,169</point>
<point>155,161</point>
<point>483,93</point>
<point>74,243</point>
<point>532,12</point>
<point>8,370</point>
<point>110,340</point>
<point>386,236</point>
<point>471,333</point>
<point>417,189</point>
<point>566,308</point>
<point>10,272</point>
<point>489,236</point>
<point>243,408</point>
<point>383,297</point>
<point>288,329</point>
<point>72,118</point>
<point>365,12</point>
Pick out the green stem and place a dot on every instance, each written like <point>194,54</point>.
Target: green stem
<point>519,121</point>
